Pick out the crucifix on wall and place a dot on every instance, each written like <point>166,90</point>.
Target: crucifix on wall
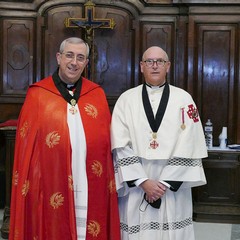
<point>89,23</point>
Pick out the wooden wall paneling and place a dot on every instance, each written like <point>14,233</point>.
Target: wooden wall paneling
<point>212,72</point>
<point>157,1</point>
<point>9,138</point>
<point>221,172</point>
<point>204,2</point>
<point>39,33</point>
<point>18,59</point>
<point>215,63</point>
<point>114,49</point>
<point>237,92</point>
<point>9,111</point>
<point>160,33</point>
<point>219,199</point>
<point>2,170</point>
<point>181,54</point>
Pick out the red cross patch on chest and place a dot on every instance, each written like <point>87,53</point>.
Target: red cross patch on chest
<point>193,113</point>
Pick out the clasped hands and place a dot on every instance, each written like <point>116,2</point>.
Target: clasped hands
<point>153,189</point>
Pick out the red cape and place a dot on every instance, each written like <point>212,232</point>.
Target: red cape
<point>42,202</point>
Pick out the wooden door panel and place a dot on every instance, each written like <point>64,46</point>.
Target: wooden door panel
<point>18,59</point>
<point>213,61</point>
<point>162,34</point>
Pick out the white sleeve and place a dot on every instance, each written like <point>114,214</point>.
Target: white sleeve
<point>128,167</point>
<point>139,181</point>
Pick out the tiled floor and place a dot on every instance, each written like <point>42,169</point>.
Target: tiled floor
<point>203,231</point>
<point>212,231</point>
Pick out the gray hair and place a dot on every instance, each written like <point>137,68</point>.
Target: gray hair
<point>74,40</point>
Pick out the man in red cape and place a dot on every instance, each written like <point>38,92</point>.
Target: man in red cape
<point>43,200</point>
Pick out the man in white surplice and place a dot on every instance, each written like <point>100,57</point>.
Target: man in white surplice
<point>158,145</point>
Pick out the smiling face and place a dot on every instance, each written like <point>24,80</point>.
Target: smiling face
<point>155,74</point>
<point>72,62</point>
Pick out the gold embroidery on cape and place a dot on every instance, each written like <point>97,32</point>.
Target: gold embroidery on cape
<point>24,129</point>
<point>52,139</point>
<point>25,188</point>
<point>94,228</point>
<point>56,200</point>
<point>16,234</point>
<point>70,182</point>
<point>15,178</point>
<point>97,168</point>
<point>112,186</point>
<point>91,110</point>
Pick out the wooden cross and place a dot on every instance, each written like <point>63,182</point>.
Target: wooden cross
<point>89,23</point>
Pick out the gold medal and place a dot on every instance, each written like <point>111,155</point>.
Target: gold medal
<point>73,102</point>
<point>73,110</point>
<point>183,126</point>
<point>154,135</point>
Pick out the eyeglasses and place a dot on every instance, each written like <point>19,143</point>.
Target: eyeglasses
<point>159,62</point>
<point>70,56</point>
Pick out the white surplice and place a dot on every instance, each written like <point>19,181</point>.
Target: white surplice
<point>177,158</point>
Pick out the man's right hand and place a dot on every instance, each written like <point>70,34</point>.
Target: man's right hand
<point>153,189</point>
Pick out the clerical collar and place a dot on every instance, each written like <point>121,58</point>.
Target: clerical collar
<point>62,88</point>
<point>69,86</point>
<point>151,86</point>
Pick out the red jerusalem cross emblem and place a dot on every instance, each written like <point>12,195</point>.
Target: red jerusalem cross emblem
<point>154,144</point>
<point>193,113</point>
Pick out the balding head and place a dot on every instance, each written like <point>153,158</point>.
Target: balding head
<point>155,51</point>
